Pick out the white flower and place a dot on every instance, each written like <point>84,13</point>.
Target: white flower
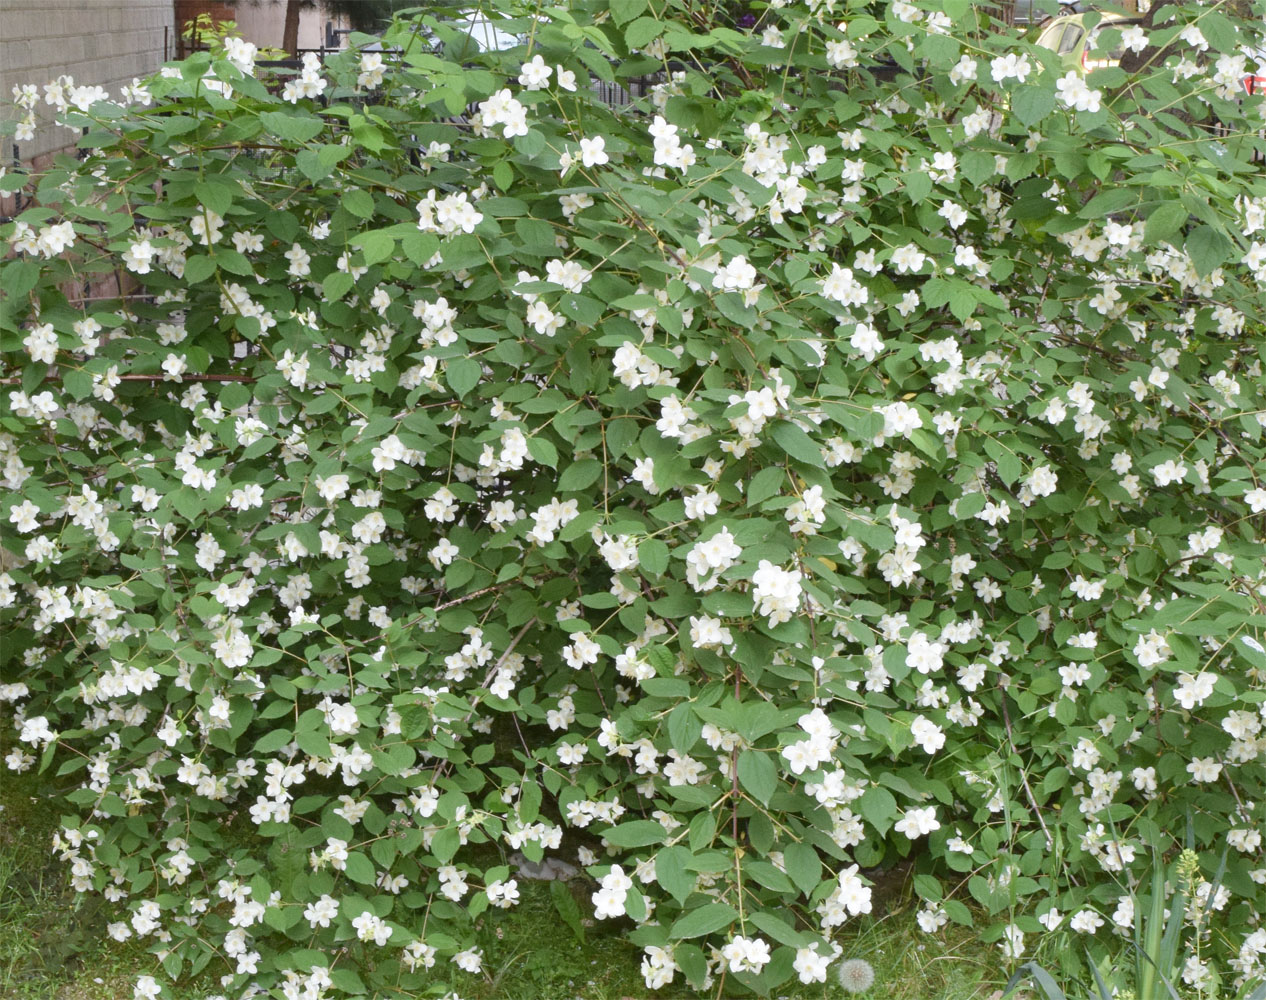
<point>1193,690</point>
<point>840,286</point>
<point>146,988</point>
<point>736,276</point>
<point>908,259</point>
<point>1169,471</point>
<point>810,966</point>
<point>1086,921</point>
<point>369,529</point>
<point>866,342</point>
<point>931,918</point>
<point>174,366</point>
<point>470,960</point>
<point>1012,943</point>
<point>608,903</point>
<point>300,261</point>
<point>746,954</point>
<point>777,591</point>
<point>138,257</point>
<point>658,967</point>
<point>1010,65</point>
<point>371,70</point>
<point>593,151</point>
<point>25,516</point>
<point>1076,94</point>
<point>535,75</point>
<point>927,734</point>
<point>1204,769</point>
<point>918,822</point>
<point>1042,481</point>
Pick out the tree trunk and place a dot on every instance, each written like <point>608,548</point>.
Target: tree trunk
<point>290,34</point>
<point>1135,62</point>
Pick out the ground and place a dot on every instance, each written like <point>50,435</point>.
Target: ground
<point>53,944</point>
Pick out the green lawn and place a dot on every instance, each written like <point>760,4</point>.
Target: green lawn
<point>53,944</point>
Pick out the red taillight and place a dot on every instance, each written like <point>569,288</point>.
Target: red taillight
<point>1084,52</point>
<point>1254,85</point>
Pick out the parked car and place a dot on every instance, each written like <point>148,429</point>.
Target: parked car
<point>1077,45</point>
<point>1076,42</point>
<point>1255,82</point>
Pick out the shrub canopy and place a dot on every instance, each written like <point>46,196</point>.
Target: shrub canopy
<point>736,453</point>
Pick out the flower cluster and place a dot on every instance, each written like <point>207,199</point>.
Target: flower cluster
<point>474,465</point>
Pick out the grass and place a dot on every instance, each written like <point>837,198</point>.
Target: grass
<point>908,965</point>
<point>52,941</point>
<point>53,944</point>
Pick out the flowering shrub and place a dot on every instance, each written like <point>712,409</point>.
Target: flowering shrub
<point>853,448</point>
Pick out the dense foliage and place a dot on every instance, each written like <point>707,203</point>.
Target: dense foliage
<point>850,450</point>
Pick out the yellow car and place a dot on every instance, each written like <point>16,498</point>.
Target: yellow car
<point>1077,44</point>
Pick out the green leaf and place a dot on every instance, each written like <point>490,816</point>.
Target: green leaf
<point>767,875</point>
<point>878,808</point>
<point>313,744</point>
<point>419,247</point>
<point>703,920</point>
<point>803,866</point>
<point>19,276</point>
<point>969,505</point>
<point>978,166</point>
<point>1165,222</point>
<point>359,202</point>
<point>962,300</point>
<point>565,905</point>
<point>671,874</point>
<point>636,833</point>
<point>684,728</point>
<point>216,194</point>
<point>778,928</point>
<point>377,246</point>
<point>643,31</point>
<point>1010,468</point>
<point>1033,103</point>
<point>529,801</point>
<point>543,452</point>
<point>652,557</point>
<point>796,443</point>
<point>928,887</point>
<point>312,165</point>
<point>360,868</point>
<point>273,741</point>
<point>77,382</point>
<point>768,482</point>
<point>292,125</point>
<point>463,375</point>
<point>1208,249</point>
<point>445,844</point>
<point>757,774</point>
<point>503,175</point>
<point>918,185</point>
<point>626,10</point>
<point>198,269</point>
<point>1108,202</point>
<point>580,475</point>
<point>336,285</point>
<point>233,262</point>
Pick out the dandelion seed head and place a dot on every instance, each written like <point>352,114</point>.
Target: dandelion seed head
<point>856,975</point>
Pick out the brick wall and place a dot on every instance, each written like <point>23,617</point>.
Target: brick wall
<point>102,42</point>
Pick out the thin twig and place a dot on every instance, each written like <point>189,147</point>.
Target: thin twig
<point>1024,778</point>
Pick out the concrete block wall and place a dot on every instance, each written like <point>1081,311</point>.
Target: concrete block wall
<point>103,42</point>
